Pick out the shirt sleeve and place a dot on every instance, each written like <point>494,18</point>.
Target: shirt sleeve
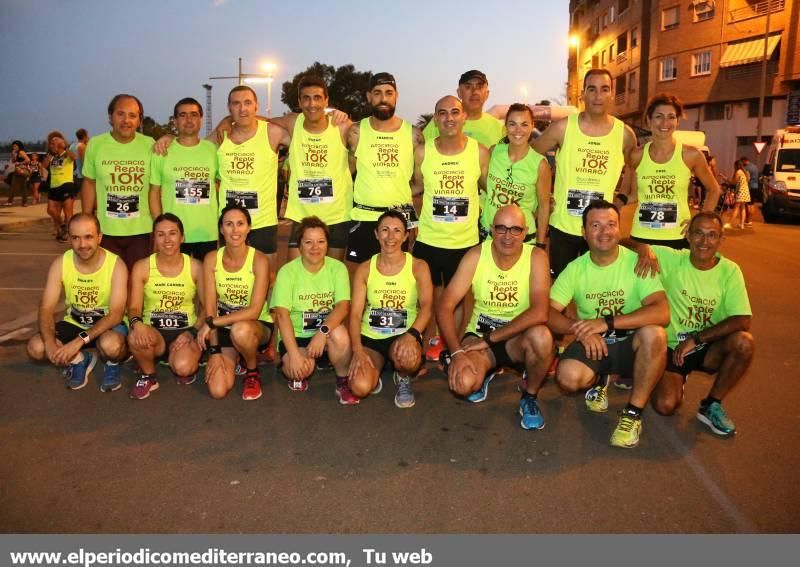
<point>282,290</point>
<point>156,163</point>
<point>736,299</point>
<point>341,283</point>
<point>563,289</point>
<point>87,168</point>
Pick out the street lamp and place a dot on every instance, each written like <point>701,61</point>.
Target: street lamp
<point>524,92</point>
<point>575,41</point>
<point>268,69</point>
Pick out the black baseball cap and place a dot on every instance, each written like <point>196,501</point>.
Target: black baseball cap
<point>473,74</point>
<point>381,79</point>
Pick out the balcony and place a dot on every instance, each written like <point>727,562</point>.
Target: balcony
<point>622,57</point>
<point>756,10</point>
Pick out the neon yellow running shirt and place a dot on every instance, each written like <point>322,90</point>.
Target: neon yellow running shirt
<point>169,301</point>
<point>391,306</point>
<point>87,297</point>
<point>511,184</point>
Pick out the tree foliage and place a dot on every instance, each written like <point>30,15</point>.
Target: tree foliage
<point>346,88</point>
<point>155,130</point>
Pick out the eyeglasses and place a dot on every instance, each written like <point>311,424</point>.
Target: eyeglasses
<point>514,230</point>
<point>700,234</point>
<point>510,175</point>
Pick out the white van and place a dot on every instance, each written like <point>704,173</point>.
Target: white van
<point>780,183</point>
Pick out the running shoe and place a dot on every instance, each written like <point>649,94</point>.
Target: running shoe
<point>628,430</point>
<point>240,369</point>
<point>481,394</point>
<point>144,385</point>
<point>186,380</point>
<point>435,347</point>
<point>378,387</point>
<point>716,419</point>
<point>343,393</point>
<point>252,386</point>
<point>532,418</point>
<point>266,356</point>
<point>77,375</point>
<point>596,399</point>
<point>298,385</point>
<point>111,377</point>
<point>404,395</point>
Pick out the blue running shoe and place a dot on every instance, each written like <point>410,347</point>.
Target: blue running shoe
<point>111,377</point>
<point>481,394</point>
<point>77,375</point>
<point>532,418</point>
<point>716,419</point>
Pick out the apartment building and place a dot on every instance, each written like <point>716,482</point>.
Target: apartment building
<point>707,52</point>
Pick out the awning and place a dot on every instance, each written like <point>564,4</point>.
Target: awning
<point>750,51</point>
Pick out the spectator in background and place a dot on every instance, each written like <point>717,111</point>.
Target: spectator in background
<point>22,170</point>
<point>753,184</point>
<point>35,180</point>
<point>741,180</point>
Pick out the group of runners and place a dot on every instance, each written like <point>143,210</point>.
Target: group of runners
<point>492,271</point>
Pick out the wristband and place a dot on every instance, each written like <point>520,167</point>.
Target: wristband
<point>609,323</point>
<point>696,338</point>
<point>455,352</point>
<point>192,331</point>
<point>416,334</point>
<point>133,320</point>
<point>214,349</point>
<point>623,198</point>
<point>541,245</point>
<point>210,322</point>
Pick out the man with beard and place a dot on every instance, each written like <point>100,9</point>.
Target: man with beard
<point>382,150</point>
<point>95,289</point>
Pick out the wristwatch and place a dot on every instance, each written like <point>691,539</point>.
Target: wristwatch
<point>210,322</point>
<point>325,330</point>
<point>609,323</point>
<point>84,336</point>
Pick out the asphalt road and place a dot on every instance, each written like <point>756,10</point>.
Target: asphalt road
<point>180,462</point>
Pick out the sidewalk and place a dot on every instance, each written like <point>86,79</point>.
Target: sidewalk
<point>18,217</point>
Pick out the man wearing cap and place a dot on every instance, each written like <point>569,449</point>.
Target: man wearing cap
<point>473,90</point>
<point>382,150</point>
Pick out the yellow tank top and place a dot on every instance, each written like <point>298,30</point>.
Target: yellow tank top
<point>169,301</point>
<point>385,162</point>
<point>249,175</point>
<point>87,297</point>
<point>320,182</point>
<point>235,289</point>
<point>449,217</point>
<point>500,295</point>
<point>391,306</point>
<point>587,169</point>
<point>663,196</point>
<point>61,170</point>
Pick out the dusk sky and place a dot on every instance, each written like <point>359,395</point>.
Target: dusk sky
<point>64,60</point>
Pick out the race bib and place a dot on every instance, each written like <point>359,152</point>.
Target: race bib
<point>245,199</point>
<point>122,206</point>
<point>388,321</point>
<point>169,320</point>
<point>450,209</point>
<point>578,200</point>
<point>86,317</point>
<point>658,215</point>
<point>410,213</point>
<point>487,324</point>
<point>192,192</point>
<point>314,191</point>
<point>313,320</point>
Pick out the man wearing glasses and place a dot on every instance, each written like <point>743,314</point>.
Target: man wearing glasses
<point>709,323</point>
<point>510,283</point>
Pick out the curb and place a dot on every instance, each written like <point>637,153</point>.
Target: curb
<point>23,223</point>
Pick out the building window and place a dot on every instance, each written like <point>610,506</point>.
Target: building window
<point>669,69</point>
<point>632,82</point>
<point>619,89</point>
<point>622,43</point>
<point>595,61</point>
<point>714,111</point>
<point>670,17</point>
<point>634,38</point>
<point>702,10</point>
<point>752,107</point>
<point>603,58</point>
<point>701,63</point>
<point>611,53</point>
<point>611,14</point>
<point>604,23</point>
<point>622,5</point>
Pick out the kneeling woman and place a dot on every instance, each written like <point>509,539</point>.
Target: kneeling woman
<point>310,301</point>
<point>161,308</point>
<point>236,281</point>
<point>392,305</point>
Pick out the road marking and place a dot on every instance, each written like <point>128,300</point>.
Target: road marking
<point>25,320</point>
<point>743,523</point>
<point>21,288</point>
<point>19,333</point>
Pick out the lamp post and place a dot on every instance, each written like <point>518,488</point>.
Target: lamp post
<point>254,78</point>
<point>575,41</point>
<point>269,68</point>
